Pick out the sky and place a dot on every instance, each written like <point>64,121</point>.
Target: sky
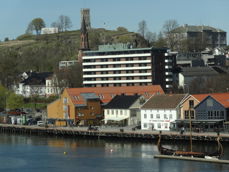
<point>15,15</point>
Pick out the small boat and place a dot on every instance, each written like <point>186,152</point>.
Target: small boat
<point>214,155</point>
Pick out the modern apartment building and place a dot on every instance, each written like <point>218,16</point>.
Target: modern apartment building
<point>202,36</point>
<point>121,65</point>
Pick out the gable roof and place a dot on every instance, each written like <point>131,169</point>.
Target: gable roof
<point>222,98</point>
<point>37,78</point>
<point>107,93</point>
<point>122,102</point>
<point>166,101</point>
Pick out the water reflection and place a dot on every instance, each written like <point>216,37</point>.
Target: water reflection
<point>34,153</point>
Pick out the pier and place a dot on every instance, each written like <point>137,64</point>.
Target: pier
<point>219,161</point>
<point>124,133</point>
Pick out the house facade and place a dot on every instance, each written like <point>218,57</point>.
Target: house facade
<point>160,111</point>
<point>38,84</point>
<point>124,110</point>
<point>213,107</point>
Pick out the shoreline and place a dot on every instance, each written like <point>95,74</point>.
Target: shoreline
<point>112,132</point>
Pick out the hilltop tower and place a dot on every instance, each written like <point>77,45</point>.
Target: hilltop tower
<point>85,15</point>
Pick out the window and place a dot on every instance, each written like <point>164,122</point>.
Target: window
<point>112,112</point>
<point>192,114</point>
<point>166,125</point>
<point>145,125</point>
<point>120,112</point>
<point>65,100</point>
<point>65,108</point>
<point>186,114</point>
<point>209,102</point>
<point>145,116</point>
<point>191,104</point>
<point>165,116</point>
<point>158,116</point>
<point>170,116</point>
<point>222,114</point>
<point>66,115</point>
<point>158,125</point>
<point>151,116</point>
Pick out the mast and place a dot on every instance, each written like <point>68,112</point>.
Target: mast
<point>190,127</point>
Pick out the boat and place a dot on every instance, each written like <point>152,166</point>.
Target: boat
<point>214,155</point>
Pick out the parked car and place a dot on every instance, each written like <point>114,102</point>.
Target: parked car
<point>41,123</point>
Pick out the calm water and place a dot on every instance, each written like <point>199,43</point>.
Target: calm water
<point>35,153</point>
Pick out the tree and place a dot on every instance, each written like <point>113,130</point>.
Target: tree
<point>161,42</point>
<point>70,77</point>
<point>6,39</point>
<point>36,24</point>
<point>171,38</point>
<point>122,29</point>
<point>151,37</point>
<point>3,96</point>
<point>142,28</point>
<point>63,23</point>
<point>14,101</point>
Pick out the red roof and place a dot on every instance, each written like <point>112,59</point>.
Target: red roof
<point>222,98</point>
<point>107,93</point>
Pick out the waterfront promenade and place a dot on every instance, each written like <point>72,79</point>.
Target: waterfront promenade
<point>111,132</point>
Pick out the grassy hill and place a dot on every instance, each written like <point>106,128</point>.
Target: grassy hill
<point>43,53</point>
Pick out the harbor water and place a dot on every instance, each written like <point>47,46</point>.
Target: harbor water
<point>25,153</point>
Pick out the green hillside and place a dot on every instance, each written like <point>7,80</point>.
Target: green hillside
<point>43,53</point>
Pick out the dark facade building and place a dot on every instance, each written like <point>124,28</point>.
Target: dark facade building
<point>211,109</point>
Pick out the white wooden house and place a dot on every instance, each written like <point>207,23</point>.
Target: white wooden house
<point>160,110</point>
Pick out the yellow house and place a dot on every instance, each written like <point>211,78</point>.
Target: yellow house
<point>62,110</point>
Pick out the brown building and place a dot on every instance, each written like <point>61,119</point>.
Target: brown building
<point>84,105</point>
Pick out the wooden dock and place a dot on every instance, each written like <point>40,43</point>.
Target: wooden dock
<point>219,161</point>
<point>110,133</point>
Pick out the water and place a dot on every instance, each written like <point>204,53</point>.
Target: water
<point>42,154</point>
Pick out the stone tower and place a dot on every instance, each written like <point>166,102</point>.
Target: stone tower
<point>85,15</point>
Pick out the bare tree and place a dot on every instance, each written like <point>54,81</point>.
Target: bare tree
<point>171,38</point>
<point>64,23</point>
<point>142,28</point>
<point>151,37</point>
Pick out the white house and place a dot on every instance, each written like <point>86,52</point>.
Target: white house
<point>40,84</point>
<point>50,30</point>
<point>123,109</point>
<point>160,110</point>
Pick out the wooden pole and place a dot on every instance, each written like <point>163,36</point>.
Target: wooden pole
<point>190,126</point>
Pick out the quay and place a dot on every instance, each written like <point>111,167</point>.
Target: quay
<point>110,132</point>
<point>219,161</point>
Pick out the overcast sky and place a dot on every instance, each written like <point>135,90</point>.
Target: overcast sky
<point>15,15</point>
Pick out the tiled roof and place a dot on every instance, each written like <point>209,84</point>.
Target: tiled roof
<point>222,98</point>
<point>107,93</point>
<point>166,101</point>
<point>122,102</point>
